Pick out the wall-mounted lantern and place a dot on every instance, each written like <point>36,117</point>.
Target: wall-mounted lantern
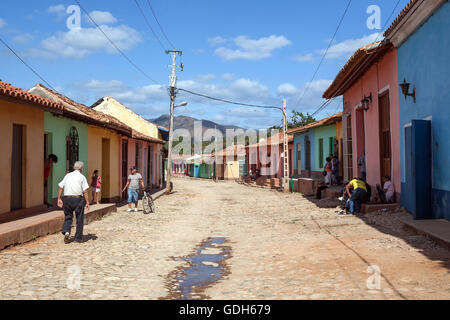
<point>405,89</point>
<point>366,102</point>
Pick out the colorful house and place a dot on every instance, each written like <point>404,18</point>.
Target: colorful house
<point>229,163</point>
<point>143,149</point>
<point>313,143</point>
<point>23,148</point>
<point>368,83</point>
<point>267,156</point>
<point>82,134</point>
<point>421,35</point>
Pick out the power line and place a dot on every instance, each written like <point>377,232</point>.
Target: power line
<point>388,19</point>
<point>115,46</point>
<point>228,101</point>
<point>326,104</point>
<point>27,65</point>
<point>160,27</point>
<point>149,25</point>
<point>324,55</point>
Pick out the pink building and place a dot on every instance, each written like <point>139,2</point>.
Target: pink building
<point>268,157</point>
<point>144,153</point>
<point>369,85</point>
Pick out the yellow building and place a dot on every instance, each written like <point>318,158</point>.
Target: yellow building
<point>22,145</point>
<point>145,151</point>
<point>110,106</point>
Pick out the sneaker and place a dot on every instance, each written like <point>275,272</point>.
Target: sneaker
<point>129,210</point>
<point>66,237</point>
<point>136,210</point>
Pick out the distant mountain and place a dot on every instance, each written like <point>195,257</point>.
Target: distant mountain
<point>184,122</point>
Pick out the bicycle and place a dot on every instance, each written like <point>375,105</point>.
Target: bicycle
<point>148,203</point>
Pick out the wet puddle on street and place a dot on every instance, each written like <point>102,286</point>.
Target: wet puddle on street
<point>204,268</point>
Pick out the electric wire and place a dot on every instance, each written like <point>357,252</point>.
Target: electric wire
<point>323,106</point>
<point>115,46</point>
<point>27,65</point>
<point>324,55</point>
<point>160,27</point>
<point>228,101</point>
<point>149,25</point>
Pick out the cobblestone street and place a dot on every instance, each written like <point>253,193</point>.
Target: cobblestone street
<point>281,246</point>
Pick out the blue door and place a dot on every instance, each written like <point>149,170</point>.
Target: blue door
<point>417,193</point>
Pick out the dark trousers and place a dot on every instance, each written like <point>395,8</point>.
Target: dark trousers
<point>72,205</point>
<point>356,200</point>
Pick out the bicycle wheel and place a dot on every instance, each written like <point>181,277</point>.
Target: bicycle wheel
<point>146,203</point>
<point>152,204</point>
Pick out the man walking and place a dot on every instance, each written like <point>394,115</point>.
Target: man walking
<point>133,184</point>
<point>76,200</point>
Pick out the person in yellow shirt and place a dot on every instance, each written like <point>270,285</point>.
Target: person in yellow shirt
<point>356,196</point>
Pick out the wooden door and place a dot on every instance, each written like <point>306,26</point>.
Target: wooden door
<point>299,159</point>
<point>106,170</point>
<point>17,168</point>
<point>307,154</point>
<point>385,136</point>
<point>124,166</point>
<point>149,166</point>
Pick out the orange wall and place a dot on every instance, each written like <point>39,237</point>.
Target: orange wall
<point>33,120</point>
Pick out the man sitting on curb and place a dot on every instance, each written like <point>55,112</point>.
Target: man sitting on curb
<point>76,200</point>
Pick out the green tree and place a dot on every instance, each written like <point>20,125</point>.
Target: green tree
<point>297,120</point>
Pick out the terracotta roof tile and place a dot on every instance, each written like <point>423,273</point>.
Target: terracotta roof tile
<point>352,69</point>
<point>400,17</point>
<point>7,90</point>
<point>327,121</point>
<point>86,113</point>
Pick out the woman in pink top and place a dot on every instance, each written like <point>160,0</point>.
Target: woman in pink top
<point>96,185</point>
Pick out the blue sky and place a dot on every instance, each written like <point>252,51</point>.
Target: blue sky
<point>250,51</point>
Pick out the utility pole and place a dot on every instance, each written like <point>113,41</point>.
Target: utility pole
<point>173,84</point>
<point>286,177</point>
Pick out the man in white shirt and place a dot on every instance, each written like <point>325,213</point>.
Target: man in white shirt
<point>75,188</point>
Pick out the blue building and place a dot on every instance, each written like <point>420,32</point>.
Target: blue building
<point>421,35</point>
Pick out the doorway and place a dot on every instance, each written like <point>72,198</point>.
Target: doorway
<point>124,167</point>
<point>385,136</point>
<point>299,159</point>
<point>17,167</point>
<point>106,170</point>
<point>150,166</point>
<point>308,156</point>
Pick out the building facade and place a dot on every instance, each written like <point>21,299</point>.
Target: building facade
<point>23,155</point>
<point>368,83</point>
<point>313,144</point>
<point>420,34</point>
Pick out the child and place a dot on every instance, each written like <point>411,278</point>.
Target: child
<point>328,172</point>
<point>96,185</point>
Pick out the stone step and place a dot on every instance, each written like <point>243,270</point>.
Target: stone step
<point>28,229</point>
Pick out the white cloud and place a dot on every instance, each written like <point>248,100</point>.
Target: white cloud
<point>78,43</point>
<point>2,23</point>
<point>311,100</point>
<point>250,49</point>
<point>346,48</point>
<point>206,77</point>
<point>102,17</point>
<point>216,40</point>
<point>23,38</point>
<point>305,58</point>
<point>59,10</point>
<point>228,77</point>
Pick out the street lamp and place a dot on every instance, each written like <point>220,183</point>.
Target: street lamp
<point>183,104</point>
